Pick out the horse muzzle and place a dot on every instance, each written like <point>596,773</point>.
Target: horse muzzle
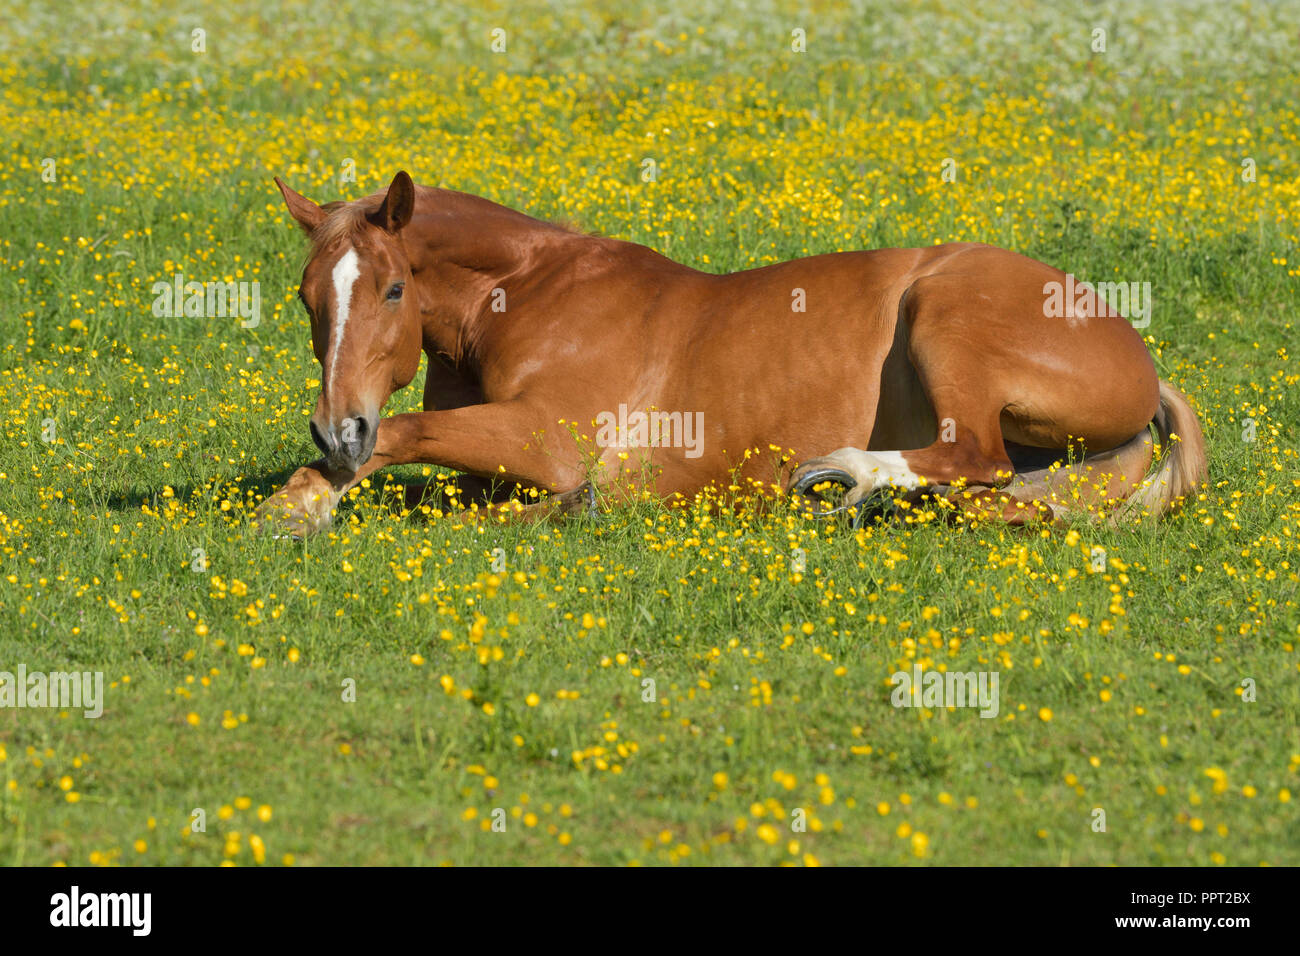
<point>347,444</point>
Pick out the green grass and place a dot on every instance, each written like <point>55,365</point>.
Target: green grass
<point>167,430</point>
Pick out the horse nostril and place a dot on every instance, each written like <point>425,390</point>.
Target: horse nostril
<point>319,439</point>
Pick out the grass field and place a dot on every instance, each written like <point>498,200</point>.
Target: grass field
<point>502,707</point>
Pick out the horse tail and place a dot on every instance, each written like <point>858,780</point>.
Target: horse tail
<point>1112,482</point>
<point>1183,468</point>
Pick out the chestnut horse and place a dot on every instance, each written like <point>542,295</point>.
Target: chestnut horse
<point>902,369</point>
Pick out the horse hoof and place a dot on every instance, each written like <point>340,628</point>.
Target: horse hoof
<point>803,483</point>
<point>279,517</point>
<point>579,501</point>
<point>818,475</point>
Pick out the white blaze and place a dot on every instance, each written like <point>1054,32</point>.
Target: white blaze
<point>346,272</point>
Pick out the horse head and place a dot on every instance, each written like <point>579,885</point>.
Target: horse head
<point>365,323</point>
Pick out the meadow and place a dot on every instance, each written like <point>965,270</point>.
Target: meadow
<point>702,685</point>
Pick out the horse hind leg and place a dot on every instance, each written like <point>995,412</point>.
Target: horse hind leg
<point>1031,482</point>
<point>966,368</point>
<point>1095,484</point>
<point>966,464</point>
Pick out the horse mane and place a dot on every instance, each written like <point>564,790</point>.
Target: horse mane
<point>345,221</point>
<point>347,218</point>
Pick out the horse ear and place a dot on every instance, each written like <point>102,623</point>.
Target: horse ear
<point>398,205</point>
<point>307,213</point>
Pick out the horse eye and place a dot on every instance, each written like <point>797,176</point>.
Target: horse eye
<point>395,292</point>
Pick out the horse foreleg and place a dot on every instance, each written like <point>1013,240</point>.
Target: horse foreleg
<point>506,443</point>
<point>303,505</point>
<point>579,501</point>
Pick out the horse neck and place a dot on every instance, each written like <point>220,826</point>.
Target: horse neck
<point>464,248</point>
